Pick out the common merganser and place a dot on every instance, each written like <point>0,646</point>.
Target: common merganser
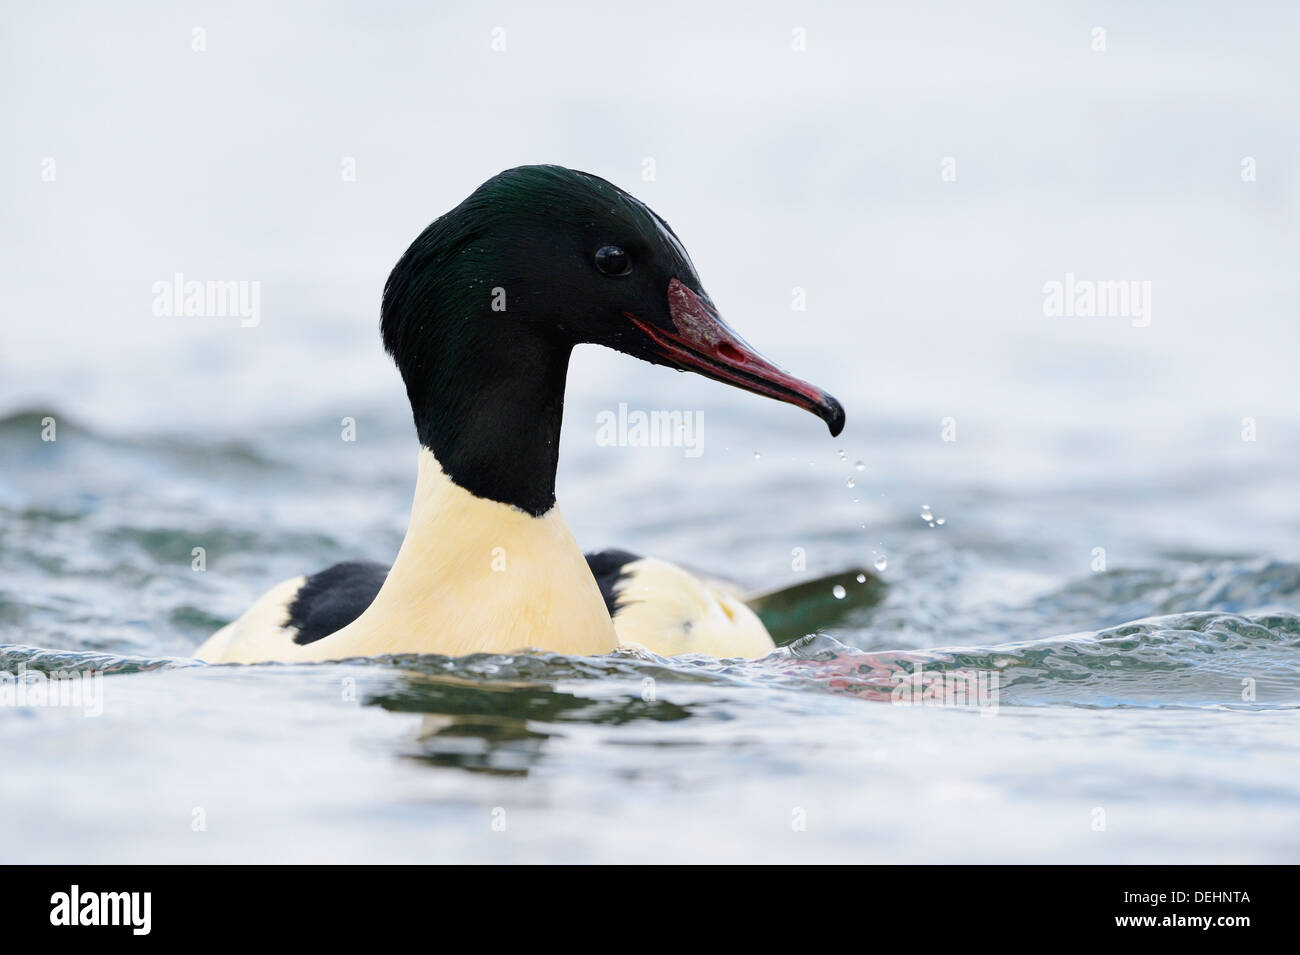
<point>480,315</point>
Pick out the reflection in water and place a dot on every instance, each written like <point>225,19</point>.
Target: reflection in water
<point>496,725</point>
<point>494,714</point>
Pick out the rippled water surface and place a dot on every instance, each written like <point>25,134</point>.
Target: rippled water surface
<point>1119,695</point>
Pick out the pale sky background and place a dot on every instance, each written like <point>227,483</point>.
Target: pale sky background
<point>818,169</point>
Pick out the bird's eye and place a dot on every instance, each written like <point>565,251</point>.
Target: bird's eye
<point>612,260</point>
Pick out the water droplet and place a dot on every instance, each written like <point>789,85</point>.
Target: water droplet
<point>940,520</point>
<point>926,513</point>
<point>852,483</point>
<point>860,466</point>
<point>881,562</point>
<point>839,592</point>
<point>843,456</point>
<point>862,578</point>
<point>757,455</point>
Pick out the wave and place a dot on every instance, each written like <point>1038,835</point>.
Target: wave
<point>1191,659</point>
<point>1202,659</point>
<point>16,657</point>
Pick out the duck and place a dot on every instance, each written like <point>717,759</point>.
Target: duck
<point>480,316</point>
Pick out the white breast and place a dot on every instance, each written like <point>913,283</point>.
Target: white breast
<point>472,576</point>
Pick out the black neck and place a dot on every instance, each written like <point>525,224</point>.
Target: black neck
<point>491,410</point>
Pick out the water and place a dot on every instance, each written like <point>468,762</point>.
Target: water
<point>633,757</point>
<point>1112,521</point>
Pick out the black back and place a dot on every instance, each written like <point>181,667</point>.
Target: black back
<point>333,598</point>
<point>607,566</point>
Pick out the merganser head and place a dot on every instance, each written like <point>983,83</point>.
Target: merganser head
<point>482,312</point>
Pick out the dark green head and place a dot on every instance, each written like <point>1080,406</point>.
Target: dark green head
<point>484,308</point>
